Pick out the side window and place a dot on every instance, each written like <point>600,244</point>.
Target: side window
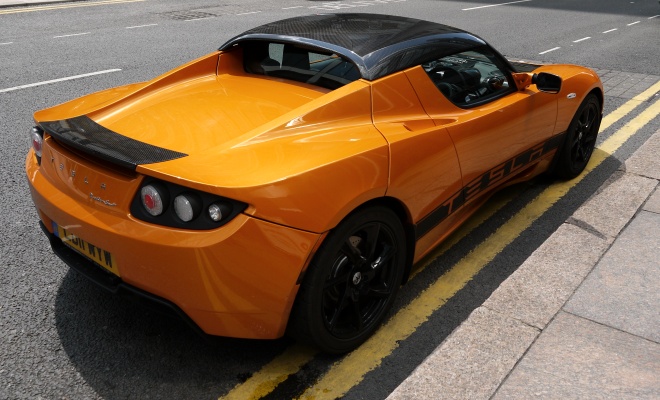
<point>275,52</point>
<point>469,78</point>
<point>289,61</point>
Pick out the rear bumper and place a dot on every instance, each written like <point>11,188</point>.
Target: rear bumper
<point>239,280</point>
<point>113,283</point>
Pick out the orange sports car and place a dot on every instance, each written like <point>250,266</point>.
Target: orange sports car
<point>289,181</point>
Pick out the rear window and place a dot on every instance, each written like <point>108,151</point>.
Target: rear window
<point>289,61</point>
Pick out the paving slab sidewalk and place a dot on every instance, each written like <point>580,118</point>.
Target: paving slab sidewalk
<point>580,318</point>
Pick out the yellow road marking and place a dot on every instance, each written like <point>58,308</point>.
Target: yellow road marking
<point>350,371</point>
<point>272,374</point>
<point>67,5</point>
<point>615,141</point>
<point>628,106</point>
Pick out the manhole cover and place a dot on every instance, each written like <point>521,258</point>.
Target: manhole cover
<point>184,15</point>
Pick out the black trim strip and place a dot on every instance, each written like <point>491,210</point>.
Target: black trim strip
<point>490,178</point>
<point>85,135</point>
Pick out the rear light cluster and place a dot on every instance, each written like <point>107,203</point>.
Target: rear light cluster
<point>168,204</point>
<point>37,141</point>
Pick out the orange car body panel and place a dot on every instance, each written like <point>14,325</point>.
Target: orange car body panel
<point>301,157</point>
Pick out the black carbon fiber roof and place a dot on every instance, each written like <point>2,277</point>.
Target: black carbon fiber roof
<point>85,135</point>
<point>377,44</point>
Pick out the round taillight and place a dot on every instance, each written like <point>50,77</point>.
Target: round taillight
<point>218,211</point>
<point>152,200</point>
<point>186,206</point>
<point>37,139</point>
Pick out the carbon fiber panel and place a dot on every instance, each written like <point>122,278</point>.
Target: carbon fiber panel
<point>85,135</point>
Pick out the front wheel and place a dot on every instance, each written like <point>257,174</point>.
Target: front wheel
<point>580,139</point>
<point>352,282</point>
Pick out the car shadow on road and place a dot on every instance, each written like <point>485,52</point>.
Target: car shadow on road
<point>124,350</point>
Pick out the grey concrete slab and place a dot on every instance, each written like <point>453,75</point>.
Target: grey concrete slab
<point>609,210</point>
<point>653,203</point>
<point>645,160</point>
<point>538,289</point>
<point>575,358</point>
<point>472,362</point>
<point>623,291</point>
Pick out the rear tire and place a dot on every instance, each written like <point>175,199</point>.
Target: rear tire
<point>351,284</point>
<point>580,139</point>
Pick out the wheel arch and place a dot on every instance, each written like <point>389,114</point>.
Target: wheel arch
<point>600,95</point>
<point>300,324</point>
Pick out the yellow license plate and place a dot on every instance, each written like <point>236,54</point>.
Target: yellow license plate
<point>98,255</point>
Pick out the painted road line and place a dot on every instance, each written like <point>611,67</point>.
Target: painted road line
<point>68,5</point>
<point>140,26</point>
<point>611,30</point>
<point>582,40</point>
<point>628,106</point>
<point>5,43</point>
<point>68,78</point>
<point>495,5</point>
<point>248,13</point>
<point>349,371</point>
<point>256,384</point>
<point>655,16</point>
<point>548,51</point>
<point>272,374</point>
<point>291,8</point>
<point>633,23</point>
<point>72,34</point>
<point>333,6</point>
<point>612,143</point>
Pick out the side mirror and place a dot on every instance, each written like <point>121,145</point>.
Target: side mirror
<point>546,82</point>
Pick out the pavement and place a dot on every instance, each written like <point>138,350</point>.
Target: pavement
<point>580,318</point>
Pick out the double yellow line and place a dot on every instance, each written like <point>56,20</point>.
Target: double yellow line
<point>65,5</point>
<point>350,370</point>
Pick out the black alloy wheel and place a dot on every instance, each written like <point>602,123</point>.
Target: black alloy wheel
<point>352,281</point>
<point>580,139</point>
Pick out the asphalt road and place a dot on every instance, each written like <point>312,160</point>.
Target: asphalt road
<point>60,337</point>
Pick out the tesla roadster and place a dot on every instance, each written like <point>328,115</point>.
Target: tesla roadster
<point>290,180</point>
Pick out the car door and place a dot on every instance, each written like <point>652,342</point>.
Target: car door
<point>498,131</point>
<point>424,167</point>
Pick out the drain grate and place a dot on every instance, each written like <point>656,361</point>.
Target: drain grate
<point>185,15</point>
